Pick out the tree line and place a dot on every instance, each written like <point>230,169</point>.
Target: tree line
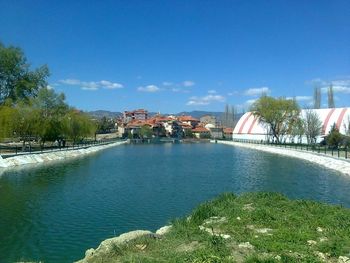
<point>29,110</point>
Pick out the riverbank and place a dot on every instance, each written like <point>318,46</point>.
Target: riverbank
<point>333,163</point>
<point>37,158</point>
<point>253,227</point>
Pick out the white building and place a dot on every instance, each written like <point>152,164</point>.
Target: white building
<point>249,127</point>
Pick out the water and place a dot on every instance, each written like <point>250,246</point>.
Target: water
<point>54,213</point>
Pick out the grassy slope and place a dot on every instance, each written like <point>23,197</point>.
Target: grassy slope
<point>278,229</point>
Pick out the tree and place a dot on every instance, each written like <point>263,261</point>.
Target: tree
<point>51,108</point>
<point>27,122</point>
<point>276,114</point>
<point>297,129</point>
<point>347,126</point>
<point>77,126</point>
<point>334,137</point>
<point>146,131</point>
<point>105,125</point>
<point>17,80</point>
<point>312,126</point>
<point>8,118</point>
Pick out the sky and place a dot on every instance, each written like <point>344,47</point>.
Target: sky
<point>172,56</point>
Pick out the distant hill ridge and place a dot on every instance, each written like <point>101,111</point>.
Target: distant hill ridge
<point>196,114</point>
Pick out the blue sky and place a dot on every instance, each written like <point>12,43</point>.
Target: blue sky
<point>171,56</point>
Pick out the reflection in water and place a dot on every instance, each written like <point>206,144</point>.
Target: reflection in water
<point>55,212</point>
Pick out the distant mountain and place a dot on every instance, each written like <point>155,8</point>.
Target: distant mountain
<point>196,114</point>
<point>104,113</point>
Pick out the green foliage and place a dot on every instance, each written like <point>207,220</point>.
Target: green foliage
<point>78,125</point>
<point>334,138</point>
<point>277,114</point>
<point>189,133</point>
<point>17,80</point>
<point>146,131</point>
<point>7,121</point>
<point>105,125</point>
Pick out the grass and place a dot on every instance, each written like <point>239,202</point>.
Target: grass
<point>277,229</point>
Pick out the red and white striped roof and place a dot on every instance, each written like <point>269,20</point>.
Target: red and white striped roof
<point>249,124</point>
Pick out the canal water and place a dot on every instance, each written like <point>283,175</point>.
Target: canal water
<point>54,213</point>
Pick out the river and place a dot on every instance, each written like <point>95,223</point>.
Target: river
<point>55,212</point>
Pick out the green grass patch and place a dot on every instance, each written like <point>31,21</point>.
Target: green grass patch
<point>262,227</point>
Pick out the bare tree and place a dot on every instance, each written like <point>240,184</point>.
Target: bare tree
<point>331,103</point>
<point>347,126</point>
<point>317,98</point>
<point>312,126</point>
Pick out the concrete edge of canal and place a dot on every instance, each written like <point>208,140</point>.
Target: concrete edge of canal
<point>336,164</point>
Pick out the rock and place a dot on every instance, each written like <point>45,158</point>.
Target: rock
<point>163,230</point>
<point>321,255</point>
<point>343,259</point>
<point>238,218</point>
<point>263,230</point>
<point>225,236</point>
<point>278,257</point>
<point>319,229</point>
<point>109,245</point>
<point>89,252</point>
<point>311,242</point>
<point>248,207</point>
<point>323,239</point>
<point>141,246</point>
<point>246,245</point>
<point>215,220</point>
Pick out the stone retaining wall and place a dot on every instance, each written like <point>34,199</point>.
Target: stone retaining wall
<point>37,158</point>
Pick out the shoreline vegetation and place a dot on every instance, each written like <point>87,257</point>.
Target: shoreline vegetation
<point>252,227</point>
<point>337,164</point>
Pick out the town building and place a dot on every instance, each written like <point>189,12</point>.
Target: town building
<point>208,119</point>
<point>139,114</point>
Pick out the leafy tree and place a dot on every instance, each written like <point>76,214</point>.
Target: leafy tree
<point>146,132</point>
<point>312,126</point>
<point>17,80</point>
<point>8,118</point>
<point>27,122</point>
<point>297,129</point>
<point>189,133</point>
<point>334,137</point>
<point>347,126</point>
<point>78,126</point>
<point>51,108</point>
<point>105,125</point>
<point>277,114</point>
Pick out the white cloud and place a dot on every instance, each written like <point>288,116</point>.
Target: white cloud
<point>257,91</point>
<point>205,100</point>
<point>89,88</point>
<point>339,85</point>
<point>212,91</point>
<point>91,85</point>
<point>167,83</point>
<point>188,83</point>
<point>250,102</point>
<point>149,88</point>
<point>49,87</point>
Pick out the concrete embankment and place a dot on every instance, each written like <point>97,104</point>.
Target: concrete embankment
<point>37,158</point>
<point>339,165</point>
